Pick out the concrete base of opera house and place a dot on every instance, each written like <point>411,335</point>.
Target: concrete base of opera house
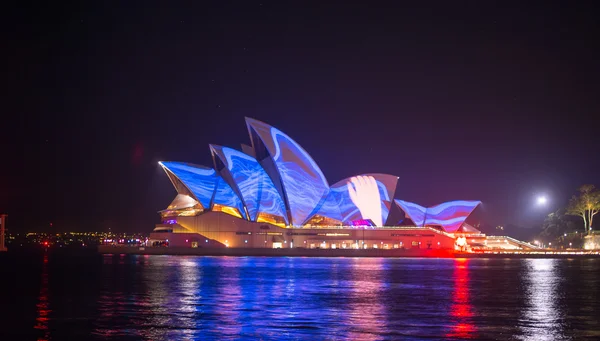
<point>221,230</point>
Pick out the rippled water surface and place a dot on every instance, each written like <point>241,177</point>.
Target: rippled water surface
<point>95,297</point>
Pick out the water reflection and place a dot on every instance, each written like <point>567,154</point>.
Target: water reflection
<point>188,298</point>
<point>228,298</point>
<point>583,289</point>
<point>166,303</point>
<point>367,316</point>
<point>542,318</point>
<point>43,306</point>
<point>217,298</point>
<point>112,302</point>
<point>461,310</point>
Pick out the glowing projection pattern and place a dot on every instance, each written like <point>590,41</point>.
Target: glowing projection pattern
<point>450,215</point>
<point>357,198</point>
<point>258,191</point>
<point>303,182</point>
<point>330,208</point>
<point>199,180</point>
<point>415,212</point>
<point>225,196</point>
<point>286,182</point>
<point>361,223</point>
<point>364,193</point>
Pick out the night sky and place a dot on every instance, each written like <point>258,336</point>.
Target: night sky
<point>469,100</point>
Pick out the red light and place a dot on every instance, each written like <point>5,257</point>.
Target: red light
<point>46,243</point>
<point>461,309</point>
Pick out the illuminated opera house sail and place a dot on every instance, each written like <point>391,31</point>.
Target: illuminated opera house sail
<point>271,193</point>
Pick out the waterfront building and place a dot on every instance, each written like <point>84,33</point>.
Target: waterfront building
<point>272,194</point>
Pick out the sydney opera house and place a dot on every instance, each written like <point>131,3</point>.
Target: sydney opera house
<point>272,194</point>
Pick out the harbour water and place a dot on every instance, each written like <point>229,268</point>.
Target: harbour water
<point>59,296</point>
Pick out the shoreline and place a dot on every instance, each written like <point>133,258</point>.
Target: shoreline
<point>300,252</point>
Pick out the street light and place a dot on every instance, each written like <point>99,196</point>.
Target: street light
<point>542,200</point>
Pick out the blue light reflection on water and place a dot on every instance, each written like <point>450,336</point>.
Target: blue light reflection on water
<point>205,298</point>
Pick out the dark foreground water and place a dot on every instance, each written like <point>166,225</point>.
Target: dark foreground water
<point>94,297</point>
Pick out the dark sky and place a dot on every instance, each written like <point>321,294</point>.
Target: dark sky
<point>488,100</point>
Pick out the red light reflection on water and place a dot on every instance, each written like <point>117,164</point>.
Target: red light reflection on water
<point>43,307</point>
<point>461,310</point>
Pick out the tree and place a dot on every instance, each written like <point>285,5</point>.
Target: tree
<point>585,205</point>
<point>551,226</point>
<point>556,224</point>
